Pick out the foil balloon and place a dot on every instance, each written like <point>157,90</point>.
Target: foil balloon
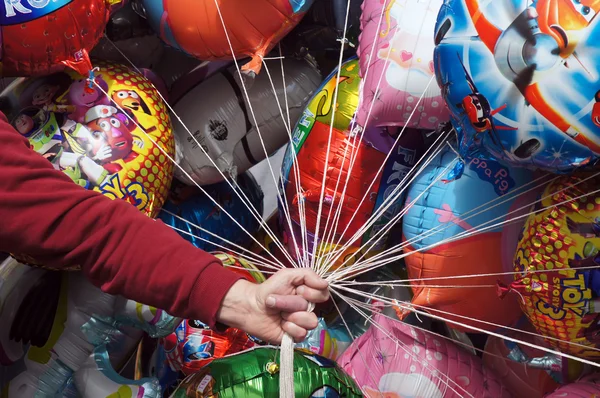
<point>528,372</point>
<point>521,79</point>
<point>199,220</point>
<point>255,373</point>
<point>401,361</point>
<point>193,345</point>
<point>42,37</point>
<point>460,233</point>
<point>102,134</point>
<point>396,60</point>
<point>58,328</point>
<point>231,29</point>
<point>555,266</point>
<point>587,387</point>
<point>363,188</point>
<point>129,39</point>
<point>327,341</point>
<point>232,131</point>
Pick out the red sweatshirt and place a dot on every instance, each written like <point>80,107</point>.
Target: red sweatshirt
<point>43,214</point>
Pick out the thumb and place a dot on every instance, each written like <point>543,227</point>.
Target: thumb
<point>286,303</point>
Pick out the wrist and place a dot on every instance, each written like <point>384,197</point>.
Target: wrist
<point>236,304</point>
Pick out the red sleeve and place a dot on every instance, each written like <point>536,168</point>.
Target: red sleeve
<point>60,224</point>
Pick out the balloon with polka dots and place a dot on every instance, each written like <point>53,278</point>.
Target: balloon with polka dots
<point>112,135</point>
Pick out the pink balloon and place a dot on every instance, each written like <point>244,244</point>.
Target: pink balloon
<point>401,67</point>
<point>413,363</point>
<point>587,387</point>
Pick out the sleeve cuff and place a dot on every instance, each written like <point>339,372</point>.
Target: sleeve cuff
<point>208,293</point>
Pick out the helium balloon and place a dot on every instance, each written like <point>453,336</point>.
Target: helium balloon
<point>224,124</point>
<point>193,345</point>
<point>43,37</point>
<point>396,60</point>
<point>402,361</point>
<point>481,243</point>
<point>519,79</point>
<point>327,341</point>
<point>103,142</point>
<point>311,136</point>
<point>527,372</point>
<point>230,29</point>
<point>555,266</point>
<point>129,39</point>
<point>255,373</point>
<point>200,221</point>
<point>57,327</point>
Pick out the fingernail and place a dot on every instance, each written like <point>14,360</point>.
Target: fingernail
<point>271,301</point>
<point>300,290</point>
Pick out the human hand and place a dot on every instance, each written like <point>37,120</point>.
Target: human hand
<point>277,306</point>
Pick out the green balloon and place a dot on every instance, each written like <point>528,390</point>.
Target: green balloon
<point>255,374</point>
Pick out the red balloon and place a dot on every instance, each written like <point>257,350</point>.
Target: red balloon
<point>45,36</point>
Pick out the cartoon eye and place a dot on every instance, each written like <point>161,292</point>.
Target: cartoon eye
<point>122,94</point>
<point>588,13</point>
<point>104,125</point>
<point>133,94</point>
<point>115,122</point>
<point>97,134</point>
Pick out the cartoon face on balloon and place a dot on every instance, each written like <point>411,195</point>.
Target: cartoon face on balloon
<point>411,52</point>
<point>402,385</point>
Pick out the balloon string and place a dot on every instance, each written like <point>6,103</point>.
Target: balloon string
<point>411,307</point>
<point>233,185</point>
<point>185,172</point>
<point>467,233</point>
<point>407,351</point>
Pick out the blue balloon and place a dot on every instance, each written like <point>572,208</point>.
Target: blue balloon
<point>482,197</point>
<point>193,206</point>
<point>521,79</point>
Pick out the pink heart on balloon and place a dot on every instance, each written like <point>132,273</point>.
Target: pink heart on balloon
<point>431,66</point>
<point>405,55</point>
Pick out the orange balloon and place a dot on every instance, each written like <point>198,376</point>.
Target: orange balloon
<point>462,257</point>
<point>253,27</point>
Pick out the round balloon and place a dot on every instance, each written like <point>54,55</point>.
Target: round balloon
<point>255,373</point>
<point>453,229</point>
<point>57,328</point>
<point>104,137</point>
<point>396,60</point>
<point>224,123</point>
<point>248,29</point>
<point>555,265</point>
<point>188,209</point>
<point>41,37</point>
<point>521,79</point>
<point>397,360</point>
<point>309,146</point>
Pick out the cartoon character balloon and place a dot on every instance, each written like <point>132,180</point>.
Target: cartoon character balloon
<point>364,191</point>
<point>587,387</point>
<point>57,328</point>
<point>396,61</point>
<point>255,373</point>
<point>231,132</point>
<point>521,79</point>
<point>189,208</point>
<point>398,360</point>
<point>563,240</point>
<point>42,37</point>
<point>253,28</point>
<point>459,233</point>
<point>104,135</point>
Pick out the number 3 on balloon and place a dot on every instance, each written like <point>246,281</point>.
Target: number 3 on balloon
<point>547,309</point>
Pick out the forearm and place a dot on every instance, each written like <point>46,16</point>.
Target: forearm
<point>48,217</point>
